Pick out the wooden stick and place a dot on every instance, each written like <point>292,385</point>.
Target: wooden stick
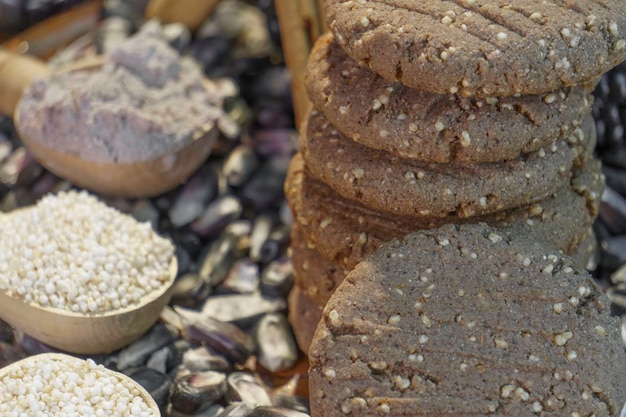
<point>190,13</point>
<point>16,73</point>
<point>43,39</point>
<point>301,23</point>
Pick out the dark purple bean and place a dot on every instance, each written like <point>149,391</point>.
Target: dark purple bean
<point>200,359</point>
<point>139,351</point>
<point>243,277</point>
<point>241,309</point>
<point>617,86</point>
<point>10,353</point>
<point>265,189</point>
<point>276,412</point>
<point>224,338</point>
<point>277,277</point>
<point>192,392</point>
<point>263,224</point>
<point>276,346</point>
<point>616,179</point>
<point>239,165</point>
<point>613,212</point>
<point>276,243</point>
<point>217,215</point>
<point>242,386</point>
<point>236,409</point>
<point>275,142</point>
<point>194,197</point>
<point>155,382</point>
<point>219,258</point>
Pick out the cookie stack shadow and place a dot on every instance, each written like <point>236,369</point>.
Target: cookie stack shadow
<point>379,159</point>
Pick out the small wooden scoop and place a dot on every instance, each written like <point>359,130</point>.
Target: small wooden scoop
<point>138,179</point>
<point>32,361</point>
<point>86,333</point>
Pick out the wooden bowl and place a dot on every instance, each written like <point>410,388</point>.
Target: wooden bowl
<point>87,334</point>
<point>67,359</point>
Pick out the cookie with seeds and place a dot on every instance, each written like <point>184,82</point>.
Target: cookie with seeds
<point>414,124</point>
<point>482,47</point>
<point>317,278</point>
<point>464,321</point>
<point>406,187</point>
<point>345,232</point>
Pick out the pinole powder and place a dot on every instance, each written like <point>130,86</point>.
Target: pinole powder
<point>72,252</point>
<point>144,102</point>
<point>51,386</point>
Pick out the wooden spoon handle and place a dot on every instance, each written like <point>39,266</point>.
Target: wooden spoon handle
<point>191,13</point>
<point>301,23</point>
<point>16,73</point>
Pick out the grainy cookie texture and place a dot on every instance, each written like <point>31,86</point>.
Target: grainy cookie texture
<point>345,231</point>
<point>463,321</point>
<point>415,124</point>
<point>482,47</point>
<point>385,182</point>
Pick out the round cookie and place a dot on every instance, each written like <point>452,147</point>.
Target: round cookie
<point>405,187</point>
<point>462,321</point>
<point>482,47</point>
<point>314,295</point>
<point>345,232</point>
<point>316,276</point>
<point>414,124</point>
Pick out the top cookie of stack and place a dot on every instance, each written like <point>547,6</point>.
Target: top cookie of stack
<point>482,48</point>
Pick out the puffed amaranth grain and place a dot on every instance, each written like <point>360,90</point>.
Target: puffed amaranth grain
<point>414,124</point>
<point>482,47</point>
<point>464,321</point>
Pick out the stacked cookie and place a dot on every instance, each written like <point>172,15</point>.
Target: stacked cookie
<point>464,321</point>
<point>439,113</point>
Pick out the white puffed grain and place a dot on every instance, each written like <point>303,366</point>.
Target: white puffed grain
<point>72,252</point>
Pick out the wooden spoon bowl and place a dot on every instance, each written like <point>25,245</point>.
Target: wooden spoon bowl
<point>67,359</point>
<point>91,333</point>
<point>139,179</point>
<point>134,180</point>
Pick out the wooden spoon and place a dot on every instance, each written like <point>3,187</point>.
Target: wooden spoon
<point>69,360</point>
<point>91,333</point>
<point>138,179</point>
